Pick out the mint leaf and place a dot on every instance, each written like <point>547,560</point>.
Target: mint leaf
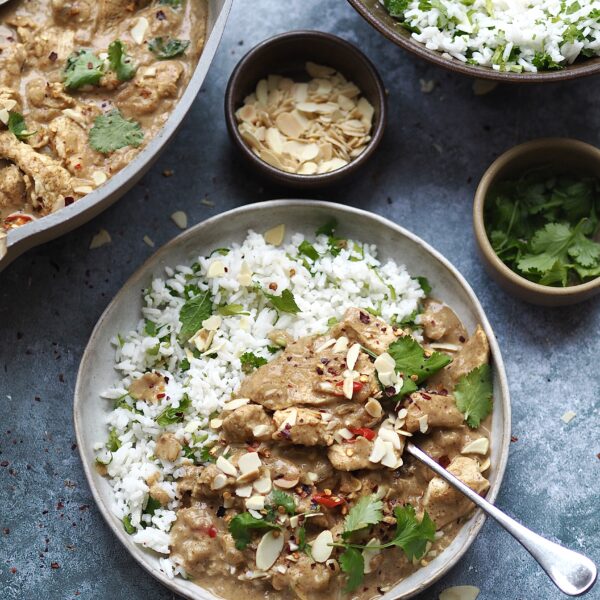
<point>287,501</point>
<point>411,361</point>
<point>251,361</point>
<point>242,526</point>
<point>367,511</point>
<point>16,125</point>
<point>284,303</point>
<point>193,313</point>
<point>83,67</point>
<point>111,132</point>
<point>174,415</point>
<point>473,395</point>
<point>120,62</point>
<point>353,564</point>
<point>165,48</point>
<point>411,535</point>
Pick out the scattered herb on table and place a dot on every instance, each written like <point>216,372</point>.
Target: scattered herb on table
<point>16,125</point>
<point>111,131</point>
<point>120,62</point>
<point>165,48</point>
<point>543,226</point>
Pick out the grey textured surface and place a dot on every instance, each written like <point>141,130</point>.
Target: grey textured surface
<point>54,544</point>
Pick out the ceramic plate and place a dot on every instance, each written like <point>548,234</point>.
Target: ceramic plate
<point>96,371</point>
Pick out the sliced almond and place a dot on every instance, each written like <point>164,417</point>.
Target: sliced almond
<point>315,70</point>
<point>340,345</point>
<point>274,140</point>
<point>275,235</point>
<point>245,275</point>
<point>255,503</point>
<point>248,477</point>
<point>227,467</point>
<point>308,168</point>
<point>290,125</point>
<point>370,553</point>
<point>568,416</point>
<point>390,459</point>
<point>99,177</point>
<point>249,462</point>
<point>479,446</point>
<point>260,430</point>
<point>389,435</point>
<point>100,239</point>
<point>219,482</point>
<point>460,592</point>
<point>244,491</point>
<point>180,219</point>
<point>263,485</point>
<point>322,546</point>
<point>262,92</point>
<point>235,404</point>
<point>286,484</point>
<point>384,362</point>
<point>138,31</point>
<point>4,116</point>
<point>268,550</point>
<point>378,451</point>
<point>423,423</point>
<point>485,465</point>
<point>373,408</point>
<point>352,356</point>
<point>215,269</point>
<point>348,387</point>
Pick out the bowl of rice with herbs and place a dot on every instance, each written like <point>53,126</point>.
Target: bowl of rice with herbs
<point>507,40</point>
<point>158,396</point>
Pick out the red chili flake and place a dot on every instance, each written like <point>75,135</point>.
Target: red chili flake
<point>364,318</point>
<point>325,361</point>
<point>69,200</point>
<point>161,395</point>
<point>6,531</point>
<point>514,438</point>
<point>160,15</point>
<point>212,531</point>
<point>426,396</point>
<point>443,461</point>
<point>13,570</point>
<point>90,65</point>
<point>320,371</point>
<point>78,166</point>
<point>363,431</point>
<point>4,463</point>
<point>59,505</point>
<point>461,339</point>
<point>17,220</point>
<point>55,565</point>
<point>390,391</point>
<point>328,501</point>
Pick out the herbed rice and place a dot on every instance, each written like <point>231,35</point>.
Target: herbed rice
<point>507,35</point>
<point>355,277</point>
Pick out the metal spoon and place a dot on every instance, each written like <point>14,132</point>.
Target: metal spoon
<point>573,573</point>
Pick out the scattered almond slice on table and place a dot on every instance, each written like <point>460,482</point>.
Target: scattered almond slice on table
<point>306,128</point>
<point>100,239</point>
<point>460,592</point>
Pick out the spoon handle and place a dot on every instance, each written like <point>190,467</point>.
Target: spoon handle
<point>573,573</point>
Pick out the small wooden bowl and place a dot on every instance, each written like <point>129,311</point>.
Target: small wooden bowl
<point>286,54</point>
<point>564,154</point>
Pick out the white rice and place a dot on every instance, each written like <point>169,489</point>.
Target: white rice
<point>507,35</point>
<point>352,278</point>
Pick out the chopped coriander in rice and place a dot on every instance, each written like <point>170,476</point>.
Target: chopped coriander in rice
<point>201,330</point>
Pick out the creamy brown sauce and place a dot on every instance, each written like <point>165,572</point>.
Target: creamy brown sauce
<point>308,458</point>
<point>56,165</point>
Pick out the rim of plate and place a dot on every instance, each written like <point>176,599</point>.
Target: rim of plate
<point>477,518</point>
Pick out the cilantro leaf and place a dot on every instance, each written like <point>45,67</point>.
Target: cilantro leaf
<point>150,328</point>
<point>16,125</point>
<point>242,526</point>
<point>367,511</point>
<point>83,67</point>
<point>120,62</point>
<point>473,395</point>
<point>111,132</point>
<point>303,546</point>
<point>284,303</point>
<point>327,228</point>
<point>127,526</point>
<point>165,48</point>
<point>353,564</point>
<point>193,313</point>
<point>174,415</point>
<point>586,252</point>
<point>411,535</point>
<point>425,285</point>
<point>411,361</point>
<point>151,506</point>
<point>280,498</point>
<point>307,249</point>
<point>251,361</point>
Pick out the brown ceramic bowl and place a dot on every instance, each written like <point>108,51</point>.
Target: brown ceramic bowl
<point>564,154</point>
<point>286,54</point>
<point>375,14</point>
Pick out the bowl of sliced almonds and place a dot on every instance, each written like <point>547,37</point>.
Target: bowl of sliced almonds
<point>306,108</point>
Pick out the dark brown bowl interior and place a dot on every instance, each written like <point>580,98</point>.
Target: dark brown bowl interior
<point>374,12</point>
<point>286,54</point>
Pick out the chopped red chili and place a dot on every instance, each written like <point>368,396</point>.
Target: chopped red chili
<point>363,431</point>
<point>212,531</point>
<point>328,501</point>
<point>356,386</point>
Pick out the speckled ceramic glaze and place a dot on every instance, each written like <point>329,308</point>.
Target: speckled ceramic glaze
<point>37,232</point>
<point>96,371</point>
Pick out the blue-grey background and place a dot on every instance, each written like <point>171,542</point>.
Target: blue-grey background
<point>53,542</point>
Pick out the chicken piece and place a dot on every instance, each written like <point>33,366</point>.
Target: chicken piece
<point>69,140</point>
<point>12,59</point>
<point>10,99</point>
<point>231,555</point>
<point>197,481</point>
<point>111,12</point>
<point>51,182</point>
<point>303,376</point>
<point>159,493</point>
<point>302,426</point>
<point>369,331</point>
<point>168,447</point>
<point>48,97</point>
<point>247,423</point>
<point>148,387</point>
<point>473,354</point>
<point>71,12</point>
<point>441,324</point>
<point>443,503</point>
<point>352,415</point>
<point>12,188</point>
<point>357,459</point>
<point>305,576</point>
<point>151,85</point>
<point>440,411</point>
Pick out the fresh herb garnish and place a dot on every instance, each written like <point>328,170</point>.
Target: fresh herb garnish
<point>543,225</point>
<point>174,415</point>
<point>114,443</point>
<point>184,364</point>
<point>83,67</point>
<point>165,48</point>
<point>16,125</point>
<point>221,251</point>
<point>150,328</point>
<point>327,228</point>
<point>412,363</point>
<point>367,511</point>
<point>473,395</point>
<point>127,526</point>
<point>353,564</point>
<point>242,526</point>
<point>228,310</point>
<point>193,313</point>
<point>251,361</point>
<point>120,62</point>
<point>284,303</point>
<point>425,285</point>
<point>307,249</point>
<point>287,501</point>
<point>303,545</point>
<point>111,131</point>
<point>151,506</point>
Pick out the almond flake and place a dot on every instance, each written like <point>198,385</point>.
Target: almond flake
<point>100,239</point>
<point>4,116</point>
<point>352,356</point>
<point>269,548</point>
<point>325,345</point>
<point>263,484</point>
<point>340,345</point>
<point>384,363</point>
<point>568,416</point>
<point>180,219</point>
<point>423,424</point>
<point>244,491</point>
<point>219,482</point>
<point>216,269</point>
<point>255,503</point>
<point>460,592</point>
<point>249,462</point>
<point>322,546</point>
<point>138,31</point>
<point>479,446</point>
<point>149,242</point>
<point>373,408</point>
<point>275,235</point>
<point>378,451</point>
<point>212,323</point>
<point>370,553</point>
<point>99,177</point>
<point>286,484</point>
<point>236,403</point>
<point>224,465</point>
<point>348,387</point>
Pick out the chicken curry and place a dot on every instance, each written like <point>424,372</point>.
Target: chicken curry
<point>84,86</point>
<point>308,493</point>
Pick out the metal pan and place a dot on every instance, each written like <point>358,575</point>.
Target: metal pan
<point>37,232</point>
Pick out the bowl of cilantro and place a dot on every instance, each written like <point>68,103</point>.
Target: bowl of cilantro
<point>537,221</point>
